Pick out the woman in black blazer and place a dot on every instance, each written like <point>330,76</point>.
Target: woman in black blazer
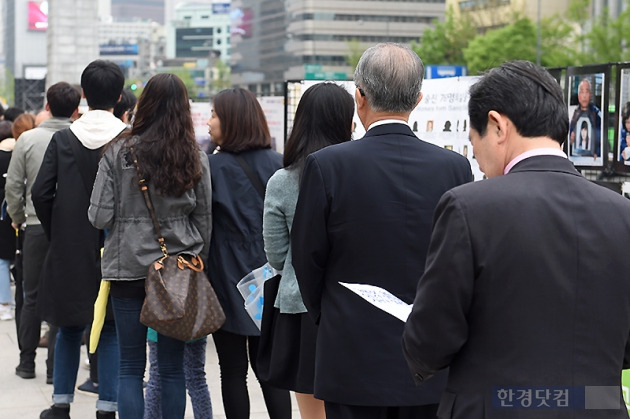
<point>238,125</point>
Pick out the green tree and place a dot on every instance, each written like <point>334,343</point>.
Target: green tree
<point>558,39</point>
<point>518,41</point>
<point>221,76</point>
<point>445,43</point>
<point>515,41</point>
<point>7,85</point>
<point>187,78</point>
<point>355,50</point>
<point>608,39</point>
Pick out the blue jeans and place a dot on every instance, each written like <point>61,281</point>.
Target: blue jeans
<point>108,364</point>
<point>5,281</point>
<point>196,384</point>
<point>132,337</point>
<point>68,356</point>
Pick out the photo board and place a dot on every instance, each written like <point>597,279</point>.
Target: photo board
<point>587,145</point>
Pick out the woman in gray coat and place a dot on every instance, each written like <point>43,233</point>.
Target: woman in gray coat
<point>323,117</point>
<point>177,173</point>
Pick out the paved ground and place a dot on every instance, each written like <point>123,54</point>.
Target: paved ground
<point>25,399</point>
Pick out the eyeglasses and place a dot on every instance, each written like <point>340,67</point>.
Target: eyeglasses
<point>361,91</point>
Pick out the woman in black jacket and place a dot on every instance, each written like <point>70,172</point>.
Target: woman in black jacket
<point>238,125</point>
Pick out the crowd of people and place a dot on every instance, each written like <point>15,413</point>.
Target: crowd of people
<point>507,276</point>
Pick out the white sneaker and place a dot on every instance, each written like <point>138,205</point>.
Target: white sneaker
<point>5,312</point>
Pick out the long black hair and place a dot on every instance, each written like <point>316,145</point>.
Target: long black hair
<point>323,117</point>
<point>167,151</point>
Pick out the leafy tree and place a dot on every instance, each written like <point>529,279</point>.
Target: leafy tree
<point>7,84</point>
<point>608,39</point>
<point>221,76</point>
<point>515,41</point>
<point>184,74</point>
<point>445,43</point>
<point>355,50</point>
<point>557,43</point>
<point>519,41</point>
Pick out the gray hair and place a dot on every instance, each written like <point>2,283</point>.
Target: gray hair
<point>390,75</point>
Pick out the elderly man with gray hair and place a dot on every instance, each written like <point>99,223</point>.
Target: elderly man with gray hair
<point>364,216</point>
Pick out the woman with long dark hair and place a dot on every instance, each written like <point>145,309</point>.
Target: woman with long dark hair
<point>169,159</point>
<point>241,166</point>
<point>323,117</point>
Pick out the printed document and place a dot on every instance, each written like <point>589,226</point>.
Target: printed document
<point>382,299</point>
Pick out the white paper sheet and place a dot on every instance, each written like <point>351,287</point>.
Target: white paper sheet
<point>382,299</point>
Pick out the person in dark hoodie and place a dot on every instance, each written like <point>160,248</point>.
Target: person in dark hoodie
<point>7,233</point>
<point>61,196</point>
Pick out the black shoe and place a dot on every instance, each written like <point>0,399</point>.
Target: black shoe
<point>25,372</point>
<point>49,379</point>
<point>89,387</point>
<point>56,412</point>
<point>101,414</point>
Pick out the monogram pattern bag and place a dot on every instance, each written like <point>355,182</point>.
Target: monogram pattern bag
<point>180,302</point>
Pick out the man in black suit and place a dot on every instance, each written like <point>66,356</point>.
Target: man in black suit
<point>525,294</point>
<point>364,216</point>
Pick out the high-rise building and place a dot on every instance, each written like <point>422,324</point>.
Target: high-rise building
<point>200,30</point>
<point>276,40</point>
<point>135,45</point>
<point>72,39</point>
<point>198,39</point>
<point>491,14</point>
<point>140,9</point>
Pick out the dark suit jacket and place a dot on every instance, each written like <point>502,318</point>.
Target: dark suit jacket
<point>526,284</point>
<point>364,216</point>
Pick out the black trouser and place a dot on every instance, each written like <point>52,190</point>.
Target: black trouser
<point>343,411</point>
<point>232,352</point>
<point>34,251</point>
<point>17,277</point>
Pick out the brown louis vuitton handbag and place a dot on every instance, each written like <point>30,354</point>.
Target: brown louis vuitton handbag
<point>180,302</point>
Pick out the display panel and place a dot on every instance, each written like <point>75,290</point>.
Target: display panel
<point>441,118</point>
<point>622,118</point>
<point>587,96</point>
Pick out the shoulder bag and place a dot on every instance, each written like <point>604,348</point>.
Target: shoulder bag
<point>180,302</point>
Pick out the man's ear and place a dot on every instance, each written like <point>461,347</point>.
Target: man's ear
<point>360,100</point>
<point>419,99</point>
<point>499,124</point>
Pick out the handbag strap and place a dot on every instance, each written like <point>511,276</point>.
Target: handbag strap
<point>147,199</point>
<point>250,174</point>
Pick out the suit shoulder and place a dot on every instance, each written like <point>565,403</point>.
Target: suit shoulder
<point>63,135</point>
<point>450,155</point>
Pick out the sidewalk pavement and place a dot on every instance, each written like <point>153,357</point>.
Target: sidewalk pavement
<point>25,399</point>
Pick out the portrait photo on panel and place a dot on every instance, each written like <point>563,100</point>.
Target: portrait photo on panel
<point>586,143</point>
<point>623,108</point>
